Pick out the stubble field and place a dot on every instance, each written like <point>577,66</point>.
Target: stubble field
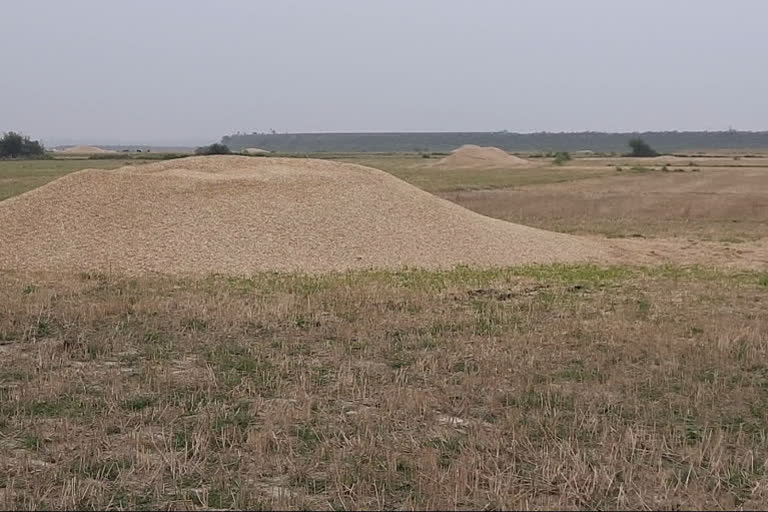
<point>537,386</point>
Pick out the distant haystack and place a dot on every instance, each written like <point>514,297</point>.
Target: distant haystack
<point>469,156</point>
<point>256,151</point>
<point>85,150</point>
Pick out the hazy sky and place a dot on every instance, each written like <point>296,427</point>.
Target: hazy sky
<point>190,71</point>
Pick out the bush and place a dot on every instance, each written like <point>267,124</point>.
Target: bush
<point>213,149</point>
<point>15,145</point>
<point>640,148</point>
<point>561,157</point>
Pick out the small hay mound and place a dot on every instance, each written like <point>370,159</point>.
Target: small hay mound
<point>469,156</point>
<point>238,215</point>
<point>256,151</point>
<point>85,150</point>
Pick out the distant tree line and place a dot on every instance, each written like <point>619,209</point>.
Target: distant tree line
<point>16,145</point>
<point>446,141</point>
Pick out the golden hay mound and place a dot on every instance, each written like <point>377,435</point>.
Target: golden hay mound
<point>469,156</point>
<point>236,214</point>
<point>256,151</point>
<point>85,150</point>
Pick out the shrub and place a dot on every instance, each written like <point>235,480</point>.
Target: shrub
<point>15,145</point>
<point>561,157</point>
<point>213,149</point>
<point>640,148</point>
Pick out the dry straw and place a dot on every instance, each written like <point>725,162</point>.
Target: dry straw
<point>236,214</point>
<point>469,156</point>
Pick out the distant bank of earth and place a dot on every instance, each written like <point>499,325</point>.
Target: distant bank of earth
<point>447,141</point>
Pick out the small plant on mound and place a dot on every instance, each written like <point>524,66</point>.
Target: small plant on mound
<point>561,157</point>
<point>213,149</point>
<point>640,148</point>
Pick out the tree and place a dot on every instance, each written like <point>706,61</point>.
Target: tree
<point>15,145</point>
<point>640,148</point>
<point>213,149</point>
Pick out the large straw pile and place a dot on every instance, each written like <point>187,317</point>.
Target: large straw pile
<point>469,156</point>
<point>236,214</point>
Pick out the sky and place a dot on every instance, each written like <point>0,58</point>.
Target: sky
<point>187,72</point>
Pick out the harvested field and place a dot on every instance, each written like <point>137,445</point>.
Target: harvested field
<point>470,156</point>
<point>238,215</point>
<point>546,386</point>
<point>712,205</point>
<point>556,387</point>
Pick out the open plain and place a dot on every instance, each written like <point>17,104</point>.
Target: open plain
<point>614,357</point>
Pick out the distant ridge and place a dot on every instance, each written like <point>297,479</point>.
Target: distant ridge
<point>543,141</point>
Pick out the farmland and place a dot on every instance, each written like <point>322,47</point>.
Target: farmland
<point>639,383</point>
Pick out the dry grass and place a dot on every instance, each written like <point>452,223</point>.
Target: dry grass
<point>529,387</point>
<point>422,173</point>
<point>533,387</point>
<point>714,204</point>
